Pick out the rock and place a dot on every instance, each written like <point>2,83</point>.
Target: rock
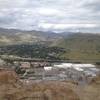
<point>11,89</point>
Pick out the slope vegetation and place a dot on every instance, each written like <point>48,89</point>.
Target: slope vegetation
<point>81,46</point>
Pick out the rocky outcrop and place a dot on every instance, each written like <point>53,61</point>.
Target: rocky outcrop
<point>8,77</point>
<point>12,89</point>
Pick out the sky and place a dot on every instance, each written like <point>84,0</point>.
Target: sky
<point>51,15</point>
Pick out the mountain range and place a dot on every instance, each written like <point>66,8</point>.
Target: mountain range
<point>77,46</point>
<point>13,36</point>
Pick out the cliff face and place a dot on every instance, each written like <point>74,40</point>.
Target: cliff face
<point>12,89</point>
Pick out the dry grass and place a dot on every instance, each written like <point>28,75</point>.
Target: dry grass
<point>12,89</point>
<point>89,92</point>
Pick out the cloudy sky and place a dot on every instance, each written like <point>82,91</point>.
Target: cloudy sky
<point>55,15</point>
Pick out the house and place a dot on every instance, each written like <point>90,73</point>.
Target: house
<point>25,65</point>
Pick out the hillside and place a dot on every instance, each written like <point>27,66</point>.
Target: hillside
<point>11,88</point>
<point>38,44</point>
<point>12,36</point>
<point>81,47</point>
<point>91,91</point>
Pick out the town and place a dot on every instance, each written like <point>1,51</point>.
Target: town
<point>41,70</point>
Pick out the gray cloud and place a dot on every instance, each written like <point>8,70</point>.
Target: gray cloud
<point>55,15</point>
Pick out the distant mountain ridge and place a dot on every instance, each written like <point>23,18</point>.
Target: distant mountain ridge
<point>13,36</point>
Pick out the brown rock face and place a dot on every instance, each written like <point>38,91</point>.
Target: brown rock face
<point>12,89</point>
<point>8,77</point>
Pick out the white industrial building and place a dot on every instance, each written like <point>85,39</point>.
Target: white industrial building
<point>87,69</point>
<point>64,65</point>
<point>47,68</point>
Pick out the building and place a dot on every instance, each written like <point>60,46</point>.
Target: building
<point>25,65</point>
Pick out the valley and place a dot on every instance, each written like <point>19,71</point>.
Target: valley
<point>36,61</point>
